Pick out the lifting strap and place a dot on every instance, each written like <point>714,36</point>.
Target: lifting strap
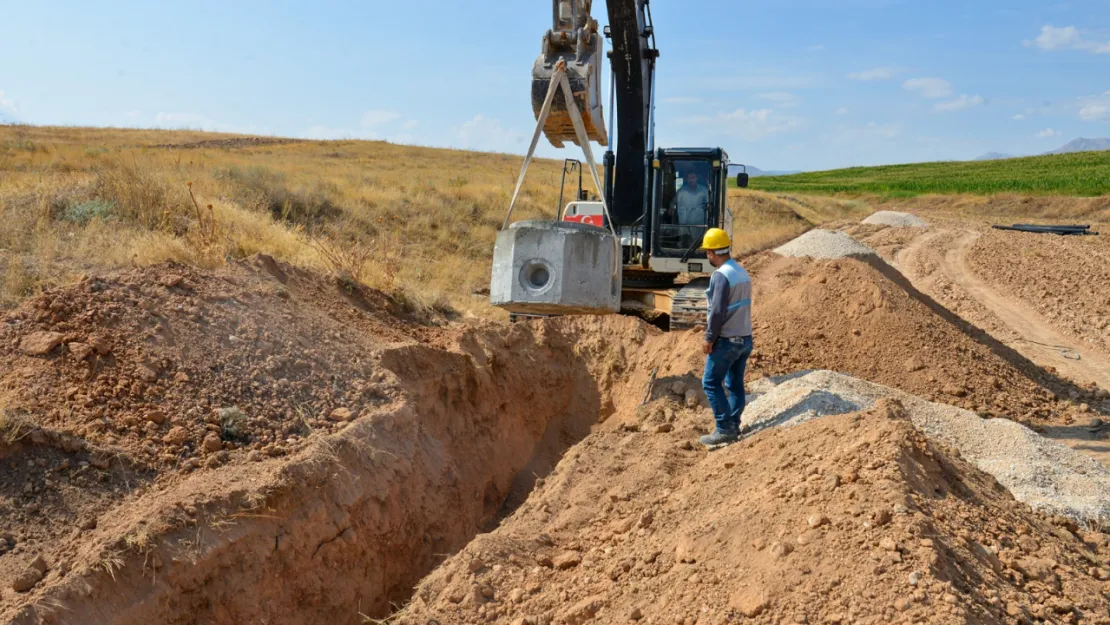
<point>559,81</point>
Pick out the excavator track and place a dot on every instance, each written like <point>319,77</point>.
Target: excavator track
<point>690,306</point>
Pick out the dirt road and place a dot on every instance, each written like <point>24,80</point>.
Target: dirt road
<point>1031,334</point>
<point>937,262</point>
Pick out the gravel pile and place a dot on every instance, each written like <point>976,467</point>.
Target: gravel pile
<point>824,244</point>
<point>1045,474</point>
<point>894,218</point>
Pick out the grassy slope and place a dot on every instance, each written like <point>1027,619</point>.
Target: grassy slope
<point>409,220</point>
<point>1084,174</point>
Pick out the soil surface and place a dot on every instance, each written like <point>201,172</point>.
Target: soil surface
<point>1042,296</point>
<point>885,330</point>
<point>260,444</point>
<point>848,519</point>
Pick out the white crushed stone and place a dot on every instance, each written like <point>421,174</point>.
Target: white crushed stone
<point>824,244</point>
<point>894,218</point>
<point>1043,473</point>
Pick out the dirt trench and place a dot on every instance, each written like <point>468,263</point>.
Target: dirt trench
<point>349,526</point>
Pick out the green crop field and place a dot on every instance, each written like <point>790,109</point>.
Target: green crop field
<point>1081,174</point>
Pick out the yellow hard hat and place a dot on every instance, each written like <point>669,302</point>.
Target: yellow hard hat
<point>715,239</point>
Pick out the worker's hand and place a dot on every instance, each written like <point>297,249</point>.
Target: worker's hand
<point>707,348</point>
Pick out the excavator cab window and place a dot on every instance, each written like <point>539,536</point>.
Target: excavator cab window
<point>687,195</point>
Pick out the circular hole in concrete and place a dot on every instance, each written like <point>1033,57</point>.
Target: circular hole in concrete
<point>536,275</point>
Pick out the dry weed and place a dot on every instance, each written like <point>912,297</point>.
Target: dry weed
<point>14,426</point>
<point>417,222</point>
<point>110,562</point>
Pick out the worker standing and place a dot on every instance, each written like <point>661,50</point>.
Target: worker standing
<point>728,337</point>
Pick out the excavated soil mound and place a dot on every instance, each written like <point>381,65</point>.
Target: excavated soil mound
<point>1045,474</point>
<point>856,518</point>
<point>864,319</point>
<point>260,444</point>
<point>896,219</point>
<point>824,244</point>
<point>1063,278</point>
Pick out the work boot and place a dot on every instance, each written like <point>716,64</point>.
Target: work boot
<point>718,439</point>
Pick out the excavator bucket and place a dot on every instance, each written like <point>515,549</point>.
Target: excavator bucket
<point>575,40</point>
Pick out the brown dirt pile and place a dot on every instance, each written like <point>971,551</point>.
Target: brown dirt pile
<point>125,361</point>
<point>110,384</point>
<point>1063,278</point>
<point>848,519</point>
<point>886,240</point>
<point>866,320</point>
<point>176,440</point>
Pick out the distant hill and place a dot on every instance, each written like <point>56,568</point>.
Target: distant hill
<point>994,156</point>
<point>1083,145</point>
<point>754,171</point>
<point>1079,145</point>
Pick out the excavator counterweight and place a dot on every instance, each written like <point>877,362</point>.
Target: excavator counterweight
<point>575,40</point>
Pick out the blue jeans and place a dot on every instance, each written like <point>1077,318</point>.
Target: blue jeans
<point>724,369</point>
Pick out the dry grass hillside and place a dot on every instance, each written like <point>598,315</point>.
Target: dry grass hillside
<point>417,222</point>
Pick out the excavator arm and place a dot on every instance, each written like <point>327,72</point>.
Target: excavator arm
<point>632,62</point>
<point>574,39</point>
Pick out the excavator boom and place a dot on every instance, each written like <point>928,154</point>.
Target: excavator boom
<point>574,39</point>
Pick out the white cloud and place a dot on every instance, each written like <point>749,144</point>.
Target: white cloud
<point>374,118</point>
<point>782,98</point>
<point>878,73</point>
<point>842,110</point>
<point>766,80</point>
<point>1018,117</point>
<point>197,121</point>
<point>488,135</point>
<point>1047,133</point>
<point>929,87</point>
<point>682,100</point>
<point>7,104</point>
<point>815,48</point>
<point>1094,113</point>
<point>374,125</point>
<point>872,133</point>
<point>882,131</point>
<point>749,124</point>
<point>1067,38</point>
<point>1095,108</point>
<point>326,133</point>
<point>963,102</point>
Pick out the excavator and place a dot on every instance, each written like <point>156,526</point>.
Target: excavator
<point>660,200</point>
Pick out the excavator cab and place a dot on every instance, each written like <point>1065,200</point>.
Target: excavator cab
<point>689,196</point>
<point>686,206</point>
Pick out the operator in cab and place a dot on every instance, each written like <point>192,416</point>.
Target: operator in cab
<point>728,338</point>
<point>689,204</point>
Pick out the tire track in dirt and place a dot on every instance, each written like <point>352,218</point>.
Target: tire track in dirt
<point>1037,339</point>
<point>1024,329</point>
<point>1042,342</point>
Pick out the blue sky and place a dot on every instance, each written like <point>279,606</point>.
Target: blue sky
<point>790,84</point>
